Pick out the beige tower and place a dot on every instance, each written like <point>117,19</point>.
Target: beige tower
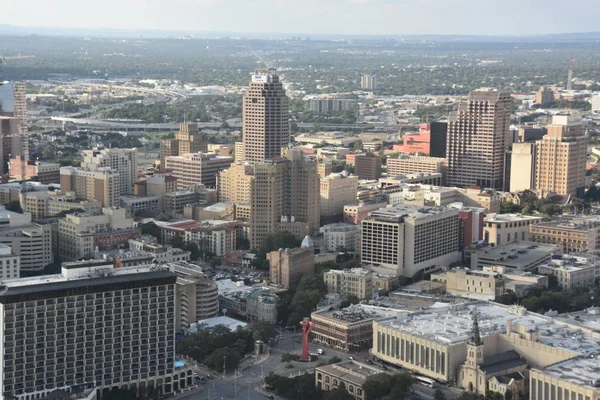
<point>478,134</point>
<point>234,184</point>
<point>265,117</point>
<point>268,199</point>
<point>522,167</point>
<point>190,141</point>
<point>561,157</point>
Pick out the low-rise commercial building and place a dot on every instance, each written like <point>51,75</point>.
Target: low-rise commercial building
<point>251,303</point>
<point>161,254</point>
<point>350,375</point>
<point>571,235</point>
<point>501,229</point>
<point>520,256</point>
<point>357,282</point>
<point>573,271</point>
<point>405,164</point>
<point>40,171</point>
<point>215,236</point>
<point>136,204</point>
<point>43,204</point>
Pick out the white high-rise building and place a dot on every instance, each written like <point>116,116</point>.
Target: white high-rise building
<point>596,103</point>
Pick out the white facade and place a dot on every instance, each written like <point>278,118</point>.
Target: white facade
<point>10,263</point>
<point>339,235</point>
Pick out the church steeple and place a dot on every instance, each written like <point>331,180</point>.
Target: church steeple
<point>475,338</point>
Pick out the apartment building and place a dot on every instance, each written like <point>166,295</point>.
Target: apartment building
<point>337,191</point>
<point>198,168</point>
<point>197,297</point>
<point>103,328</point>
<point>123,161</point>
<point>287,265</point>
<point>340,235</point>
<point>561,157</point>
<point>39,171</point>
<point>80,233</point>
<point>323,106</point>
<point>403,240</point>
<point>570,235</point>
<point>573,271</point>
<point>405,164</point>
<point>356,282</point>
<point>478,136</point>
<point>501,229</point>
<point>368,82</point>
<point>367,166</point>
<point>101,184</point>
<point>265,124</point>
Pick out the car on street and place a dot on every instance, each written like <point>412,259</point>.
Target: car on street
<point>210,377</point>
<point>369,361</point>
<point>320,352</point>
<point>351,358</point>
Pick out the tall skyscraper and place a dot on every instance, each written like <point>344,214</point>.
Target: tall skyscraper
<point>284,197</point>
<point>561,157</point>
<point>265,126</point>
<point>13,103</point>
<point>478,136</point>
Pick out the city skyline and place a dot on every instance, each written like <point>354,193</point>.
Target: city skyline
<point>340,17</point>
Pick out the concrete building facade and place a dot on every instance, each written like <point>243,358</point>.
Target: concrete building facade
<point>101,184</point>
<point>501,229</point>
<point>337,191</point>
<point>356,282</point>
<point>123,161</point>
<point>287,265</point>
<point>195,169</point>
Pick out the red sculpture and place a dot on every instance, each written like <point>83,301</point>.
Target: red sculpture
<point>306,330</point>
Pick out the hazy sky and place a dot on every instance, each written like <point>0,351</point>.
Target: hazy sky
<point>494,17</point>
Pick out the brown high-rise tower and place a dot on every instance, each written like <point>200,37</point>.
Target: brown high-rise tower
<point>478,135</point>
<point>265,117</point>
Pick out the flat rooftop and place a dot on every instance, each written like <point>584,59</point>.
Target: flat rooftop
<point>573,262</point>
<point>362,312</point>
<point>450,327</point>
<point>516,254</point>
<point>407,211</point>
<point>510,218</point>
<point>351,371</point>
<point>589,319</point>
<point>351,271</point>
<point>582,371</point>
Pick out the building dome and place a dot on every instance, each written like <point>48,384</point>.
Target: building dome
<point>307,242</point>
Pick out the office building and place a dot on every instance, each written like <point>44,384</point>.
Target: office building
<point>137,204</point>
<point>368,82</point>
<point>123,161</point>
<point>340,235</point>
<point>265,125</point>
<point>357,282</point>
<point>101,184</point>
<point>367,166</point>
<point>471,221</point>
<point>573,271</point>
<point>13,103</point>
<point>530,134</point>
<point>516,256</point>
<point>478,135</point>
<point>570,235</point>
<point>287,265</point>
<point>355,213</point>
<point>506,228</point>
<point>430,140</point>
<point>47,204</point>
<point>324,168</point>
<point>337,190</point>
<point>522,167</point>
<point>79,234</point>
<point>239,152</point>
<point>234,184</point>
<point>10,263</point>
<point>39,171</point>
<point>323,106</point>
<point>285,197</point>
<point>404,240</point>
<point>214,236</point>
<point>544,96</point>
<point>102,328</point>
<point>188,140</point>
<point>475,344</point>
<point>405,164</point>
<point>195,169</point>
<point>561,157</point>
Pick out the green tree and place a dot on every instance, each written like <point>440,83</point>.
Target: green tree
<point>62,214</point>
<point>150,228</point>
<point>226,355</point>
<point>262,330</point>
<point>337,394</point>
<point>177,241</point>
<point>439,395</point>
<point>351,299</point>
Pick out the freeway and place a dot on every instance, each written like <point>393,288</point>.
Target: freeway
<point>169,126</point>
